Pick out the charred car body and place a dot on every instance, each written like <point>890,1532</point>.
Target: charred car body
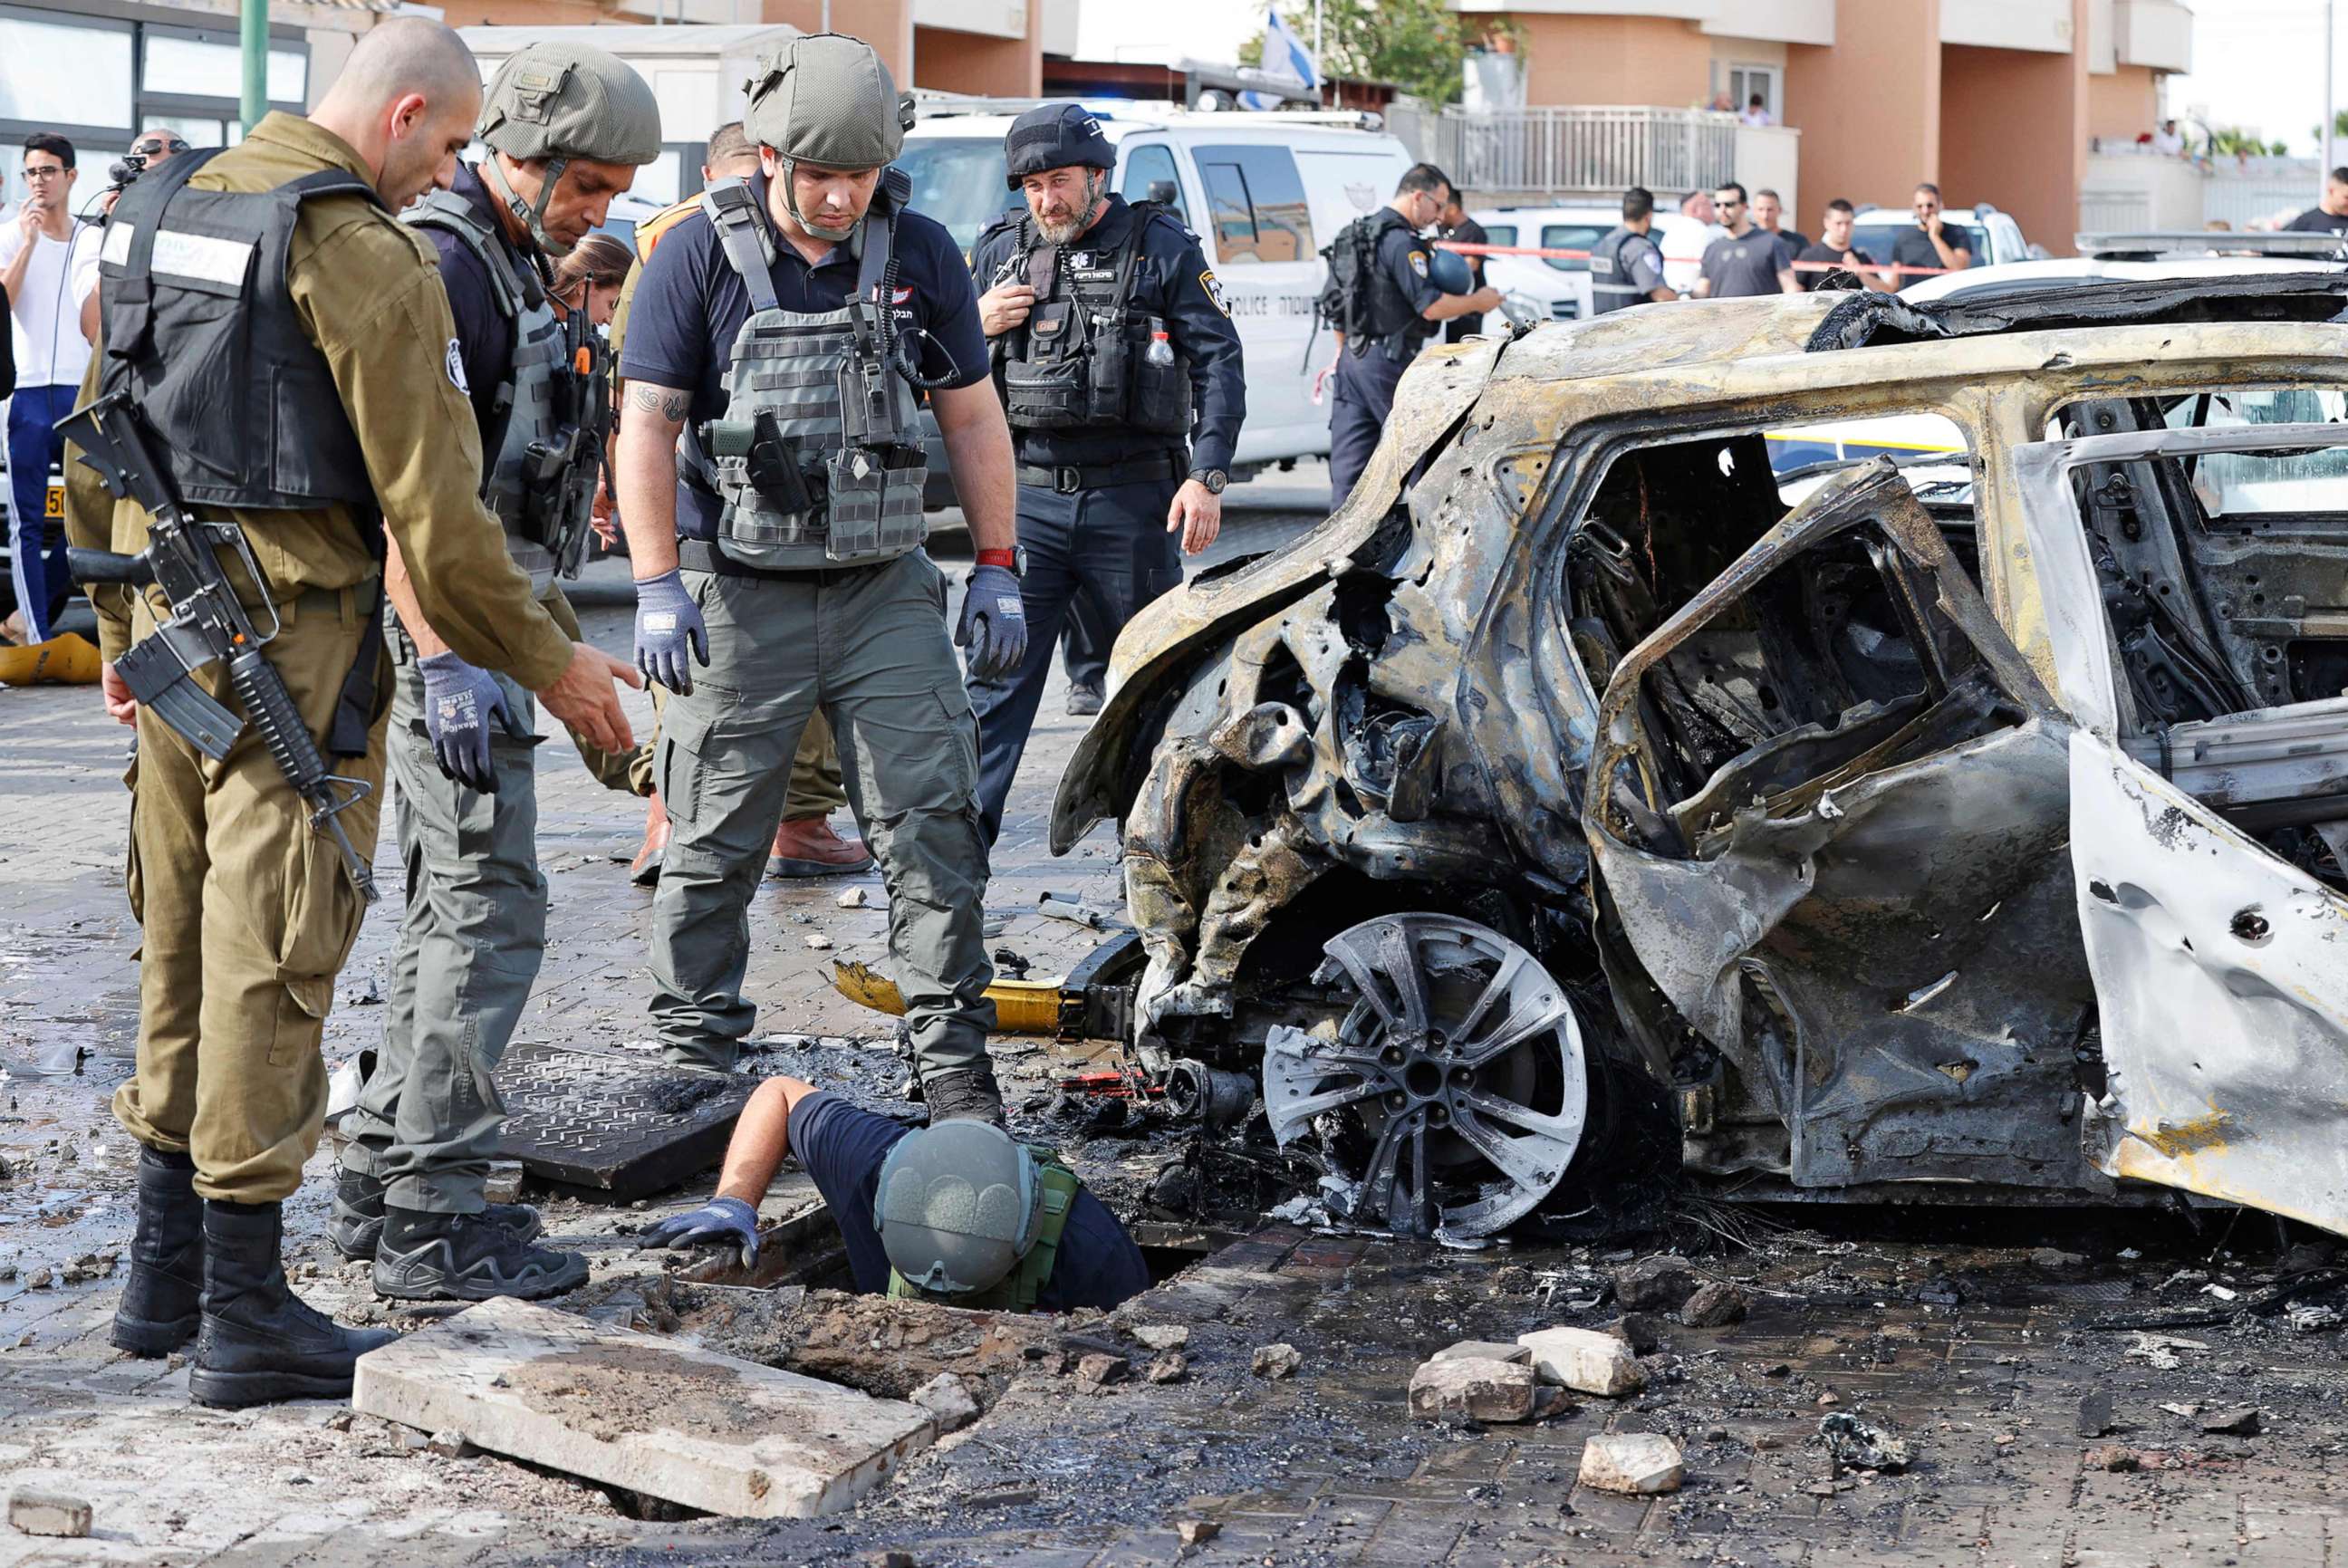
<point>1967,823</point>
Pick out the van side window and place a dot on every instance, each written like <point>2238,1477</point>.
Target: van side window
<point>1149,176</point>
<point>1260,213</point>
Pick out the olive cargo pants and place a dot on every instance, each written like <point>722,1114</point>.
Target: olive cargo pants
<point>866,648</point>
<point>247,915</point>
<point>815,768</point>
<point>470,940</point>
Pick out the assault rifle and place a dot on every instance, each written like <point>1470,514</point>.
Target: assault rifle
<point>208,623</point>
<point>560,474</point>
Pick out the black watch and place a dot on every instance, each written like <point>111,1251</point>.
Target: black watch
<point>1214,478</point>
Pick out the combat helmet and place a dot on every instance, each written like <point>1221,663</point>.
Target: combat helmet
<point>561,101</point>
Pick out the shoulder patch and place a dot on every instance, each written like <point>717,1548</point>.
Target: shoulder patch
<point>1214,287</point>
<point>1418,263</point>
<point>457,368</point>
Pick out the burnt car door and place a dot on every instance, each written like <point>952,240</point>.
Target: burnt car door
<point>1828,814</point>
<point>2210,793</point>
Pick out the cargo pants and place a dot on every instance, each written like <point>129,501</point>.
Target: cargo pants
<point>866,648</point>
<point>815,768</point>
<point>471,936</point>
<point>247,915</point>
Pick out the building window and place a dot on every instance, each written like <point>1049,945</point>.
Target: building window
<point>1743,81</point>
<point>181,66</point>
<point>60,74</point>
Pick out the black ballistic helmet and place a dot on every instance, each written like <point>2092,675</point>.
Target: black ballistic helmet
<point>1055,136</point>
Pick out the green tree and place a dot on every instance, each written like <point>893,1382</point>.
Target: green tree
<point>1420,45</point>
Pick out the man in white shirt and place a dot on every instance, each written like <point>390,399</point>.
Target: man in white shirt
<point>2168,141</point>
<point>48,266</point>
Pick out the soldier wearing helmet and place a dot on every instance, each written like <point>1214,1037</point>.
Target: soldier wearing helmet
<point>1114,353</point>
<point>958,1213</point>
<point>567,125</point>
<point>784,336</point>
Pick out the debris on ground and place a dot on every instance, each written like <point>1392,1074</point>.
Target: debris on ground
<point>2236,1421</point>
<point>1161,1336</point>
<point>1197,1531</point>
<point>1655,1284</point>
<point>1483,1350</point>
<point>1637,1464</point>
<point>948,1401</point>
<point>1474,1388</point>
<point>2095,1414</point>
<point>854,898</point>
<point>1854,1443</point>
<point>1101,1370</point>
<point>1167,1367</point>
<point>1275,1361</point>
<point>1583,1360</point>
<point>1715,1306</point>
<point>35,1510</point>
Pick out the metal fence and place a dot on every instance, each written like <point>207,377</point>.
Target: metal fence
<point>1574,148</point>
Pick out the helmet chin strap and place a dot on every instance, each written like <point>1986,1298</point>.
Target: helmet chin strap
<point>530,218</point>
<point>791,205</point>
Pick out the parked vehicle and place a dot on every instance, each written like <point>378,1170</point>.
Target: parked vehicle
<point>1992,237</point>
<point>1564,282</point>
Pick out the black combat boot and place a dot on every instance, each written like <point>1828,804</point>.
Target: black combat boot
<point>163,1297</point>
<point>356,1227</point>
<point>963,1092</point>
<point>261,1342</point>
<point>467,1257</point>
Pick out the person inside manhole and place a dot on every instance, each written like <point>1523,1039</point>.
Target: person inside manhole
<point>957,1213</point>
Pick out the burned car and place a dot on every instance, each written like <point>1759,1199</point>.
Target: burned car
<point>1599,792</point>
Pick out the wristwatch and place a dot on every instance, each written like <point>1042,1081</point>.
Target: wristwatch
<point>1214,478</point>
<point>1014,560</point>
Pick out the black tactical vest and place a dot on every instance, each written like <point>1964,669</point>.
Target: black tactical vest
<point>1611,284</point>
<point>1081,360</point>
<point>201,331</point>
<point>1361,300</point>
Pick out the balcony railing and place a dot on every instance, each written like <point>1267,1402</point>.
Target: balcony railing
<point>1573,148</point>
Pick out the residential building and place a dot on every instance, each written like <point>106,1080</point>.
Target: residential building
<point>1995,100</point>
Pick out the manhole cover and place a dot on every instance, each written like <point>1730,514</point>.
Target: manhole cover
<point>613,1125</point>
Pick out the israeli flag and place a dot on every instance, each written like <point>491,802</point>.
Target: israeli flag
<point>1285,56</point>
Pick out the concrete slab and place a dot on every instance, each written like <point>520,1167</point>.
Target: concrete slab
<point>634,1410</point>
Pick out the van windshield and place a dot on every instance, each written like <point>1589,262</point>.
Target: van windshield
<point>957,181</point>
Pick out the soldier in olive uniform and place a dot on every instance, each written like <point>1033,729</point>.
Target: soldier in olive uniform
<point>782,333</point>
<point>249,911</point>
<point>567,126</point>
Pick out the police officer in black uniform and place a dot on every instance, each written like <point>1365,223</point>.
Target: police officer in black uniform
<point>1626,267</point>
<point>1386,309</point>
<point>1110,343</point>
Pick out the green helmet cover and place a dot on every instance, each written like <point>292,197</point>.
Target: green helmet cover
<point>826,99</point>
<point>566,100</point>
<point>957,1207</point>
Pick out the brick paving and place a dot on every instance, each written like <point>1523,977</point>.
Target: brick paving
<point>1327,1467</point>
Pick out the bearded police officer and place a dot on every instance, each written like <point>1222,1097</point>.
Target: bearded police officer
<point>958,1213</point>
<point>1386,306</point>
<point>248,908</point>
<point>567,125</point>
<point>1626,267</point>
<point>782,333</point>
<point>1109,340</point>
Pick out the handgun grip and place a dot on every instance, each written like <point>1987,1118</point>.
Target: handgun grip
<point>92,566</point>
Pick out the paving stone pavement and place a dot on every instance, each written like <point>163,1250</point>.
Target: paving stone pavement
<point>1326,1467</point>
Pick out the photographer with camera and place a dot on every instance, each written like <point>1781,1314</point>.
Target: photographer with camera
<point>48,266</point>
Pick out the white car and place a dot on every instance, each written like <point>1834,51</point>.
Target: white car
<point>1992,237</point>
<point>1563,282</point>
<point>2066,271</point>
<point>1264,192</point>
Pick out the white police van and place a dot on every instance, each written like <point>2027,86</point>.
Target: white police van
<point>1264,192</point>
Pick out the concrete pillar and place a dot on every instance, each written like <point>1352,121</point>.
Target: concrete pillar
<point>1868,105</point>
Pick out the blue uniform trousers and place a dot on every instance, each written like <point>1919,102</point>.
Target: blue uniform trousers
<point>1360,404</point>
<point>1110,542</point>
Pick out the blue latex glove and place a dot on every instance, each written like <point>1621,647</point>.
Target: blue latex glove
<point>721,1221</point>
<point>459,702</point>
<point>666,621</point>
<point>994,624</point>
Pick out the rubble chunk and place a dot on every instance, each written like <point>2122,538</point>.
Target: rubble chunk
<point>451,1446</point>
<point>893,1557</point>
<point>1638,1464</point>
<point>1169,1366</point>
<point>2238,1421</point>
<point>1479,1390</point>
<point>1858,1444</point>
<point>2113,1457</point>
<point>2054,1259</point>
<point>1162,1336</point>
<point>1639,1330</point>
<point>1658,1284</point>
<point>1198,1532</point>
<point>1714,1305</point>
<point>33,1511</point>
<point>948,1401</point>
<point>2095,1414</point>
<point>1584,1360</point>
<point>1482,1350</point>
<point>2312,1317</point>
<point>1098,1370</point>
<point>503,1185</point>
<point>1275,1361</point>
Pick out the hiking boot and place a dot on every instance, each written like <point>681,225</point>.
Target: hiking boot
<point>356,1226</point>
<point>467,1257</point>
<point>963,1093</point>
<point>644,869</point>
<point>162,1301</point>
<point>260,1343</point>
<point>1085,700</point>
<point>806,847</point>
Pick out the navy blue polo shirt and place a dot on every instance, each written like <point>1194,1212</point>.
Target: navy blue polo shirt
<point>690,306</point>
<point>842,1146</point>
<point>484,338</point>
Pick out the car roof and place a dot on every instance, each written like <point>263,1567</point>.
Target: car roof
<point>2070,271</point>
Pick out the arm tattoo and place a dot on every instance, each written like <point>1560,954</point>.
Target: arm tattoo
<point>665,401</point>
